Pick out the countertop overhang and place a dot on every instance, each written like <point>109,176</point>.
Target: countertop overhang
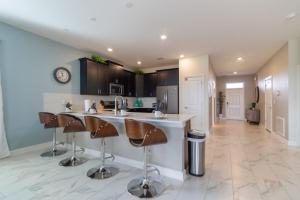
<point>169,120</point>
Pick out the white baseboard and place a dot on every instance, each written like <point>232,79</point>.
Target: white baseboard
<point>293,144</point>
<point>171,173</point>
<point>280,138</point>
<point>28,149</point>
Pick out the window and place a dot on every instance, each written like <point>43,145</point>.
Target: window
<point>234,85</point>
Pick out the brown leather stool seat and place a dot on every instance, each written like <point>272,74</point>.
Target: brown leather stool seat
<point>142,134</point>
<point>71,124</point>
<point>101,129</point>
<point>50,121</point>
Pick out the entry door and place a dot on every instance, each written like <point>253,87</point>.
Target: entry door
<point>235,104</point>
<point>193,100</point>
<point>268,104</point>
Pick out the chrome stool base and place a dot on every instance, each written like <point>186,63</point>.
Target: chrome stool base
<point>145,188</point>
<point>54,153</point>
<point>102,173</point>
<point>72,161</point>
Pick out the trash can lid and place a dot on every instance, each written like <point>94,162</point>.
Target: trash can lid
<point>196,134</point>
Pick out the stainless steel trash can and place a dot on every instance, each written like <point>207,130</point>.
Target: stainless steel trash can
<point>196,152</point>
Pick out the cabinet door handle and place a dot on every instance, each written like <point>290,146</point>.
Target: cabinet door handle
<point>100,91</point>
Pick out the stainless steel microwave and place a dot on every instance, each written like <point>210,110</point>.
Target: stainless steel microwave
<point>116,89</point>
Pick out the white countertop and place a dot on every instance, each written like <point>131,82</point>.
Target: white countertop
<point>173,120</point>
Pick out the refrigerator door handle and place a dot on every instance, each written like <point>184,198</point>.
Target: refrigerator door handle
<point>167,102</point>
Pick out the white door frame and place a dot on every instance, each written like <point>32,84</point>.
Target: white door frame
<point>269,78</point>
<point>242,103</point>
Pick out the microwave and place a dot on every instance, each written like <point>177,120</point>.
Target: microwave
<point>116,89</point>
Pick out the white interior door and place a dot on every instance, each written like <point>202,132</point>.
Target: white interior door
<point>268,103</point>
<point>193,100</point>
<point>235,104</point>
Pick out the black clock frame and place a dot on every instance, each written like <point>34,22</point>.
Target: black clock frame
<point>62,68</point>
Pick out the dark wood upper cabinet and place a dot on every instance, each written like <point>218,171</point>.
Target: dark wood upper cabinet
<point>129,78</point>
<point>150,82</point>
<point>139,85</point>
<point>96,77</point>
<point>168,77</point>
<point>116,73</point>
<point>93,77</point>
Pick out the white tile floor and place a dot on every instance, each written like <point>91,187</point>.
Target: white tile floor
<point>242,162</point>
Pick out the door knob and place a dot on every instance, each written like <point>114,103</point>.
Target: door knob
<point>185,107</point>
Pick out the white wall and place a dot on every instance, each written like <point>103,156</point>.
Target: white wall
<point>195,66</point>
<point>277,68</point>
<point>294,91</point>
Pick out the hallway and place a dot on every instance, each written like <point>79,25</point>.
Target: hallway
<point>246,162</point>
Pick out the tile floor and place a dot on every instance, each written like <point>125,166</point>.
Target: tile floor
<point>243,162</point>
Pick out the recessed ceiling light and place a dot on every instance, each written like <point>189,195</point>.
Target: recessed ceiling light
<point>234,72</point>
<point>240,59</point>
<point>181,56</point>
<point>109,49</point>
<point>129,5</point>
<point>163,37</point>
<point>291,16</point>
<point>93,19</point>
<point>139,62</point>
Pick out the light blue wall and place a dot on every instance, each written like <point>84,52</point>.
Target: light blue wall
<point>27,64</point>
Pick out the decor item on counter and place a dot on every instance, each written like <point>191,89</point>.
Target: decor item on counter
<point>257,94</point>
<point>253,105</point>
<point>138,72</point>
<point>68,107</point>
<point>101,106</point>
<point>87,105</point>
<point>253,116</point>
<point>62,75</point>
<point>221,100</point>
<point>140,102</point>
<point>98,59</point>
<point>136,103</point>
<point>4,150</point>
<point>93,108</point>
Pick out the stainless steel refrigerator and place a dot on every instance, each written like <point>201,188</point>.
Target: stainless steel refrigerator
<point>167,96</point>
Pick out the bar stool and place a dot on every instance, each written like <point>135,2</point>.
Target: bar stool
<point>101,129</point>
<point>50,121</point>
<point>144,135</point>
<point>72,125</point>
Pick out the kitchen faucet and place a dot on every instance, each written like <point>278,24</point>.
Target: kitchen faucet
<point>116,105</point>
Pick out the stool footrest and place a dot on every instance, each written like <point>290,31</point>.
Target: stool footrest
<point>111,156</point>
<point>151,168</point>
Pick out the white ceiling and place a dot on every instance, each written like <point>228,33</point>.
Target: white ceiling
<point>253,29</point>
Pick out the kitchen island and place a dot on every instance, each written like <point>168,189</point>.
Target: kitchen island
<point>169,158</point>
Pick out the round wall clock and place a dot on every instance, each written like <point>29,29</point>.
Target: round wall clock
<point>62,75</point>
